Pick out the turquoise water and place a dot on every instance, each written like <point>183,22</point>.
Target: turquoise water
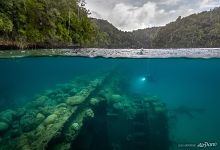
<point>189,88</point>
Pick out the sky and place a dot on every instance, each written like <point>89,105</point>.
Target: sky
<point>128,15</point>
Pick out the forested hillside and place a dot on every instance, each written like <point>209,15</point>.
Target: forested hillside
<point>197,30</point>
<point>63,23</point>
<point>114,38</point>
<point>29,23</point>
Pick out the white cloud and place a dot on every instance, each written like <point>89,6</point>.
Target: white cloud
<point>169,2</point>
<point>128,17</point>
<point>208,4</point>
<point>135,14</point>
<point>204,3</point>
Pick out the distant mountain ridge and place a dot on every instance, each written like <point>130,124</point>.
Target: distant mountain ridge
<point>141,38</point>
<point>197,30</point>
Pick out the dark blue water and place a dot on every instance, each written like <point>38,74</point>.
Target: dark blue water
<point>179,83</point>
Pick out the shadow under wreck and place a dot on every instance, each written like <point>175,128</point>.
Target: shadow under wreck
<point>89,113</point>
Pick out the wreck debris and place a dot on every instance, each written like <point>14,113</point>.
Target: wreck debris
<point>56,118</point>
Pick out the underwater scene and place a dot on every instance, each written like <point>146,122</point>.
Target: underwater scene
<point>81,103</point>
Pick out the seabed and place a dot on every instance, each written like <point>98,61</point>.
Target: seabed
<point>89,113</point>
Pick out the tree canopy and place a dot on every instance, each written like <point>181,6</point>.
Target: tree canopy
<point>197,30</point>
<point>45,22</point>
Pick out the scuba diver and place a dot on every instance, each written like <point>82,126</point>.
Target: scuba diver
<point>150,78</point>
<point>141,51</point>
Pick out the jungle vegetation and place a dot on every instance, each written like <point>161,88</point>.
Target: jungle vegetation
<point>197,30</point>
<point>25,23</point>
<point>61,23</point>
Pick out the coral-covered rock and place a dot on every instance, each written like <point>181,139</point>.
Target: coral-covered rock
<point>20,112</point>
<point>75,100</point>
<point>39,101</point>
<point>15,124</point>
<point>7,116</point>
<point>3,126</point>
<point>47,110</point>
<point>62,105</point>
<point>116,98</point>
<point>50,119</point>
<point>40,117</point>
<point>26,147</point>
<point>89,113</point>
<point>15,133</point>
<point>118,106</point>
<point>75,126</point>
<point>29,122</point>
<point>94,101</point>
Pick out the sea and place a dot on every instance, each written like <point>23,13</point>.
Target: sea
<point>147,103</point>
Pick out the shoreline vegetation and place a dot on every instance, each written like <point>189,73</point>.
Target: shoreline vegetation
<point>55,24</point>
<point>45,24</point>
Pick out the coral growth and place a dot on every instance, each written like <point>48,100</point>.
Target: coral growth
<point>94,101</point>
<point>62,112</point>
<point>29,121</point>
<point>50,119</point>
<point>75,100</point>
<point>7,116</point>
<point>3,126</point>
